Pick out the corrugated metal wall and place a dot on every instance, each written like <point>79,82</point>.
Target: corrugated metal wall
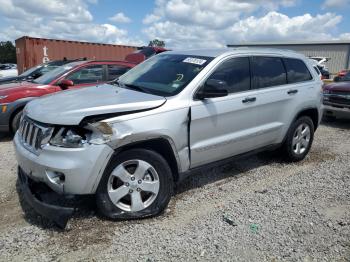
<point>34,51</point>
<point>339,53</point>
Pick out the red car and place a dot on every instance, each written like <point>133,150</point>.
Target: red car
<point>14,96</point>
<point>336,98</point>
<point>343,72</point>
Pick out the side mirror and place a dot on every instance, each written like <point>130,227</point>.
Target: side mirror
<point>336,79</point>
<point>213,88</point>
<point>65,84</point>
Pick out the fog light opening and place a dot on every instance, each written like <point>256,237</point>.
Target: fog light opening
<point>56,177</point>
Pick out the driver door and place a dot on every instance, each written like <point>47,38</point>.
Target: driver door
<point>224,126</point>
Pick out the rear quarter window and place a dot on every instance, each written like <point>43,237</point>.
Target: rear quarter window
<point>297,71</point>
<point>267,72</point>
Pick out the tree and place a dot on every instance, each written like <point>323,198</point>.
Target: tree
<point>157,43</point>
<point>7,52</point>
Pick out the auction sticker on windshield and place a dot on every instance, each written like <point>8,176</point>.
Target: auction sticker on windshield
<point>196,61</point>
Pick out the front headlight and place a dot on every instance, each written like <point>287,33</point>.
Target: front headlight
<point>3,97</point>
<point>70,137</point>
<point>75,137</point>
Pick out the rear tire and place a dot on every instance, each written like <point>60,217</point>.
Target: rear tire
<point>137,183</point>
<point>15,121</point>
<point>299,139</point>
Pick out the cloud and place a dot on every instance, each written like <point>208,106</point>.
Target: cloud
<point>335,4</point>
<point>150,18</point>
<point>120,18</point>
<point>204,23</point>
<point>59,19</point>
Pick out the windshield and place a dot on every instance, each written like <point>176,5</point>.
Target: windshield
<point>55,73</point>
<point>166,74</point>
<point>30,71</point>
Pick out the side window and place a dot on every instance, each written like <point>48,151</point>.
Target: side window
<point>267,72</point>
<point>235,72</point>
<point>114,71</point>
<point>87,75</point>
<point>296,70</point>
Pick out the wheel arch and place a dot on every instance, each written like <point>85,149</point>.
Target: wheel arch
<point>311,112</point>
<point>18,106</point>
<point>162,146</point>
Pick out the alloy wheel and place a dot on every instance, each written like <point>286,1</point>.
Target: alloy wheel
<point>301,139</point>
<point>133,185</point>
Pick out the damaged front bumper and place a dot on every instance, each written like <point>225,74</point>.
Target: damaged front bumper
<point>35,194</point>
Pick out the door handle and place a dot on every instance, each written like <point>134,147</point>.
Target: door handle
<point>249,100</point>
<point>292,92</point>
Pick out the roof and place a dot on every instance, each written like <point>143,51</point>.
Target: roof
<point>238,50</point>
<point>330,42</point>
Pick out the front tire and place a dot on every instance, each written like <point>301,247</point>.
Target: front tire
<point>15,121</point>
<point>137,183</point>
<point>299,139</point>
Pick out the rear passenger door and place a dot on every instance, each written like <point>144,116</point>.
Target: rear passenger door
<point>224,126</point>
<point>277,96</point>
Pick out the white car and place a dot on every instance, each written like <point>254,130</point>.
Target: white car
<point>321,61</point>
<point>129,141</point>
<point>7,70</point>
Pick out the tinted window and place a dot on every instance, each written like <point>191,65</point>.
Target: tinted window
<point>87,75</point>
<point>267,71</point>
<point>114,71</point>
<point>296,70</point>
<point>235,72</point>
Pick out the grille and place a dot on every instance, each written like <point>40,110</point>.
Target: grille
<point>340,99</point>
<point>33,135</point>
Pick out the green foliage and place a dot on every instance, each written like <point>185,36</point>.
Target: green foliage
<point>7,52</point>
<point>157,42</point>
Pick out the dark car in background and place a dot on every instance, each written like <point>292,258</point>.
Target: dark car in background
<point>78,74</point>
<point>35,71</point>
<point>143,53</point>
<point>336,98</point>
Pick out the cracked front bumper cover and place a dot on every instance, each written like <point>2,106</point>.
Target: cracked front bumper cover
<point>58,214</point>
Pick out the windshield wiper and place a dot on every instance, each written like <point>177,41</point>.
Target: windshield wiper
<point>137,88</point>
<point>130,86</point>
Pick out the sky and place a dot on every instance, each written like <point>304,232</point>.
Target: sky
<point>182,24</point>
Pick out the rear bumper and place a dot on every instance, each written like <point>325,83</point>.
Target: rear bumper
<point>58,214</point>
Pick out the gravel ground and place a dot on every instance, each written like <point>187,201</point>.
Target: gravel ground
<point>256,209</point>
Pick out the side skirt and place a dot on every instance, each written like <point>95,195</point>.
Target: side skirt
<point>186,174</point>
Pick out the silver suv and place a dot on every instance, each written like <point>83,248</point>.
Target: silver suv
<point>130,141</point>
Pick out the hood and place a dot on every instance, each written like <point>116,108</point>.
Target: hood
<point>72,106</point>
<point>16,90</point>
<point>17,86</point>
<point>338,86</point>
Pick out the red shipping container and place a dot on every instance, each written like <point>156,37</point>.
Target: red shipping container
<point>32,51</point>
